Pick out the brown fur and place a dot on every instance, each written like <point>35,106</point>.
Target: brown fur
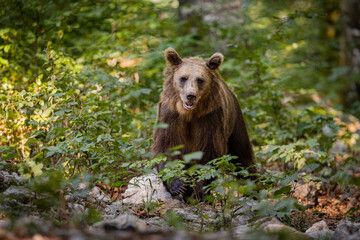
<point>213,122</point>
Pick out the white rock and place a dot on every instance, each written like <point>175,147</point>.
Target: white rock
<point>293,233</point>
<point>318,226</point>
<point>320,235</point>
<point>319,231</point>
<point>145,189</point>
<point>77,208</point>
<point>263,222</point>
<point>83,185</point>
<point>98,194</point>
<point>276,227</point>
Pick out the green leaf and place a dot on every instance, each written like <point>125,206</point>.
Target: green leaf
<point>33,122</point>
<point>300,163</point>
<point>53,150</point>
<point>290,178</point>
<point>37,169</point>
<point>72,103</point>
<point>59,113</point>
<point>125,165</point>
<point>47,112</point>
<point>176,147</point>
<point>312,142</point>
<point>288,148</point>
<point>7,48</point>
<point>270,148</point>
<point>302,126</point>
<point>87,147</point>
<point>337,72</point>
<point>192,156</point>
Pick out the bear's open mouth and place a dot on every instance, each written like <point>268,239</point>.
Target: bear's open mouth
<point>188,106</point>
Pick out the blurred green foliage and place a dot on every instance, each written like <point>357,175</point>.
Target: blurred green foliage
<point>80,81</point>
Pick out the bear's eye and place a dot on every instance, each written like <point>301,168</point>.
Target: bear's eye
<point>200,81</point>
<point>183,79</point>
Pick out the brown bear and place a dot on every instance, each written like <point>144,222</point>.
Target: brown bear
<point>202,114</point>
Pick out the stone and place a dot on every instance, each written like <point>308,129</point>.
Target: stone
<point>98,195</point>
<point>347,230</point>
<point>263,222</point>
<point>306,190</point>
<point>243,215</point>
<point>15,195</point>
<point>187,215</point>
<point>83,186</point>
<point>145,188</point>
<point>123,222</point>
<point>241,231</point>
<point>318,226</point>
<point>69,198</point>
<point>114,209</point>
<point>193,220</point>
<point>157,224</point>
<point>77,208</point>
<point>7,179</point>
<point>292,233</point>
<point>170,204</point>
<point>320,235</point>
<point>320,231</point>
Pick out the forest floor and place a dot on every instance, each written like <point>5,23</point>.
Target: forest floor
<point>328,204</point>
<point>326,209</point>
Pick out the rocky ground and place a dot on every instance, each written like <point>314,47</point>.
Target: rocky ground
<point>147,211</point>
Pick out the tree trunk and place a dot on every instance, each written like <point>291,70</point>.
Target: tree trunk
<point>350,48</point>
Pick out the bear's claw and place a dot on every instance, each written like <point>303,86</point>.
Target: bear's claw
<point>176,187</point>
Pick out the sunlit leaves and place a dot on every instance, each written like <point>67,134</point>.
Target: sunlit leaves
<point>299,152</point>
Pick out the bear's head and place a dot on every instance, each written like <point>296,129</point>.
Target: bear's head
<point>192,78</point>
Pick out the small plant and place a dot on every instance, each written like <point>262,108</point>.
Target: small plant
<point>150,205</point>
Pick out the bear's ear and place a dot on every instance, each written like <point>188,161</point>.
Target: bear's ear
<point>172,57</point>
<point>215,61</point>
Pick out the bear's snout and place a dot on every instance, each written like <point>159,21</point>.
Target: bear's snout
<point>191,97</point>
<point>189,100</point>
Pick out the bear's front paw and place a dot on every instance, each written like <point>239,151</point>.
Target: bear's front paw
<point>177,187</point>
